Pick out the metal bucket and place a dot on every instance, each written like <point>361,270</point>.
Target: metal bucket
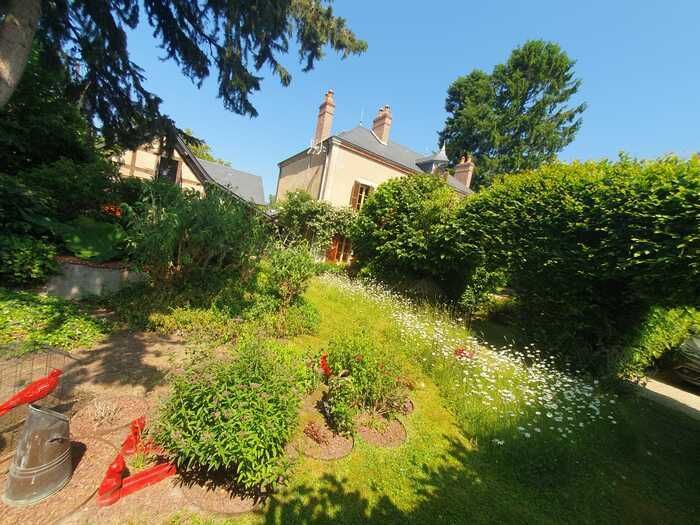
<point>42,464</point>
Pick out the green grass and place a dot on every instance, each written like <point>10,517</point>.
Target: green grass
<point>643,469</point>
<point>30,322</point>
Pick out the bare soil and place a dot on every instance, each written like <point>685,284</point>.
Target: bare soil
<point>218,498</point>
<point>107,414</point>
<point>388,434</point>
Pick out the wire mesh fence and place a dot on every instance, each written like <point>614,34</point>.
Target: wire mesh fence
<point>17,373</point>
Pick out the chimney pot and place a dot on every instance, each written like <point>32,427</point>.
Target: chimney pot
<point>464,170</point>
<point>324,121</point>
<point>381,126</point>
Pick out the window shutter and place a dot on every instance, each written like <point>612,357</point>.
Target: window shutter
<point>354,195</point>
<point>332,251</point>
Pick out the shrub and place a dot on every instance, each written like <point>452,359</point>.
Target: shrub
<point>92,240</point>
<point>174,233</point>
<point>589,247</point>
<point>25,260</point>
<point>23,209</point>
<point>285,273</point>
<point>232,417</point>
<point>402,233</point>
<point>303,219</point>
<point>363,377</point>
<point>299,319</point>
<point>663,330</point>
<point>478,291</point>
<point>339,404</point>
<point>75,188</point>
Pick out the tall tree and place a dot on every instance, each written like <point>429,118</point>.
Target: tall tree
<point>200,148</point>
<point>237,38</point>
<point>517,117</point>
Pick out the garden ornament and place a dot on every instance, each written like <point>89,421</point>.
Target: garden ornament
<point>114,485</point>
<point>33,392</point>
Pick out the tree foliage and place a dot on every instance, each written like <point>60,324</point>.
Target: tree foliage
<point>517,117</point>
<point>200,148</point>
<point>40,124</point>
<point>233,38</point>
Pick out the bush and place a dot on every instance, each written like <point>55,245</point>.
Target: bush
<point>26,260</point>
<point>662,331</point>
<point>303,219</point>
<point>232,417</point>
<point>92,240</point>
<point>363,377</point>
<point>301,318</point>
<point>285,273</point>
<point>402,233</point>
<point>75,188</point>
<point>478,291</point>
<point>588,248</point>
<point>174,233</point>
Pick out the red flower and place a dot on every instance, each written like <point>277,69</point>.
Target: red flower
<point>463,353</point>
<point>112,209</point>
<point>324,365</point>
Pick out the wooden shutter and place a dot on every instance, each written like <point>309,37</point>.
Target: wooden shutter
<point>354,195</point>
<point>332,251</point>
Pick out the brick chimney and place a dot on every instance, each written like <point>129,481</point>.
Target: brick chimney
<point>382,124</point>
<point>464,170</point>
<point>324,122</point>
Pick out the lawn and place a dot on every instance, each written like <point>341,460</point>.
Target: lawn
<point>499,435</point>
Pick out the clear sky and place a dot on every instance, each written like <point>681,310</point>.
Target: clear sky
<point>639,61</point>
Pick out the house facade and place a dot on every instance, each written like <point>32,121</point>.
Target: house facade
<point>344,168</point>
<point>189,172</point>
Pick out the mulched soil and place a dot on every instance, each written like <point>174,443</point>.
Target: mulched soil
<point>91,456</point>
<point>218,498</point>
<point>106,414</point>
<point>333,447</point>
<point>392,433</point>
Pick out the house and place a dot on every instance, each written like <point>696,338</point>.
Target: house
<point>344,168</point>
<point>187,171</point>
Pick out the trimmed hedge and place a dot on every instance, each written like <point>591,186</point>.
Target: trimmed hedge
<point>589,248</point>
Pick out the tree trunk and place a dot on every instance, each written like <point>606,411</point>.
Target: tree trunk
<point>16,34</point>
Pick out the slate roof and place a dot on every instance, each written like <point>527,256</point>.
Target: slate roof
<point>245,185</point>
<point>366,139</point>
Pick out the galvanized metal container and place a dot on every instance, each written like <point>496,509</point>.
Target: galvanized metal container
<point>42,464</point>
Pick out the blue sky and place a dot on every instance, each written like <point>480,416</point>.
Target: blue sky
<point>639,62</point>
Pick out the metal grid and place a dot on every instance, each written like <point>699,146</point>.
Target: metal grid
<point>17,373</point>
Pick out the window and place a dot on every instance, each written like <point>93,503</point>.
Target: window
<point>359,195</point>
<point>340,250</point>
<point>168,169</point>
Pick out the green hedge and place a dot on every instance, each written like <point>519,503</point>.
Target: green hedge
<point>589,248</point>
<point>403,233</point>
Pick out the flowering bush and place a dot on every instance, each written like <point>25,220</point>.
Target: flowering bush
<point>233,417</point>
<point>360,377</point>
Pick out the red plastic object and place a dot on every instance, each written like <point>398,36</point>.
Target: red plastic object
<point>33,391</point>
<point>114,485</point>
